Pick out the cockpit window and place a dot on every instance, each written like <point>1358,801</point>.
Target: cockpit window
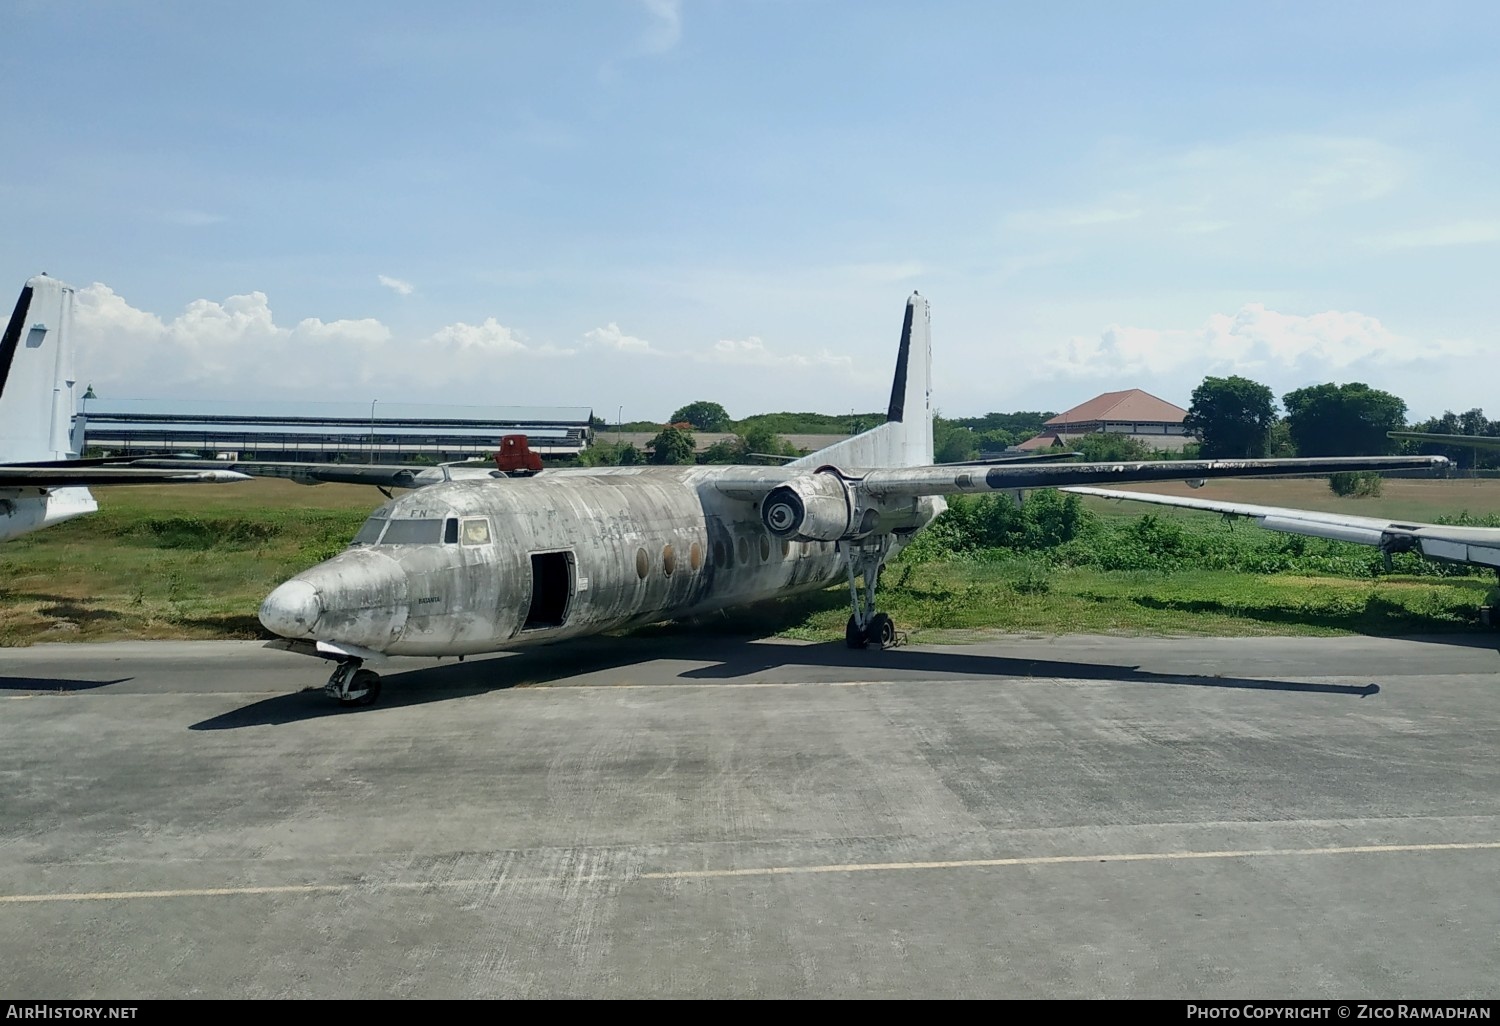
<point>369,534</point>
<point>413,532</point>
<point>450,531</point>
<point>476,531</point>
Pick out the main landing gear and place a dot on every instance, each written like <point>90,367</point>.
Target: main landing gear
<point>866,559</point>
<point>350,685</point>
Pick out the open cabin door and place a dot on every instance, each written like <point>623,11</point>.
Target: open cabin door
<point>554,581</point>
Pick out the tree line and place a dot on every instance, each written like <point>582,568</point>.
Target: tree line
<point>1229,417</point>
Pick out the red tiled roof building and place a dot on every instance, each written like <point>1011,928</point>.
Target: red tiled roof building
<point>1138,414</point>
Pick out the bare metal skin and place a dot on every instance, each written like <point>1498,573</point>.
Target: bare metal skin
<point>661,542</point>
<point>481,565</point>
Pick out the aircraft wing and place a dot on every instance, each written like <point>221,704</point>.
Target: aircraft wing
<point>391,475</point>
<point>1478,441</point>
<point>1477,546</point>
<point>915,481</point>
<point>60,475</point>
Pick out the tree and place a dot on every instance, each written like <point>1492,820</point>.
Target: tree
<point>1112,448</point>
<point>746,448</point>
<point>610,454</point>
<point>1232,417</point>
<point>1465,457</point>
<point>704,416</point>
<point>953,443</point>
<point>672,445</point>
<point>1343,420</point>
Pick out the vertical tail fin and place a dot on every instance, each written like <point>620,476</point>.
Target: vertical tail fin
<point>905,439</point>
<point>37,398</point>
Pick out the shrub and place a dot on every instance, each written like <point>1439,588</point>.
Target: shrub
<point>1360,484</point>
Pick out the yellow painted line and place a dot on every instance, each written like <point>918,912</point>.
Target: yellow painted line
<point>1063,860</point>
<point>713,874</point>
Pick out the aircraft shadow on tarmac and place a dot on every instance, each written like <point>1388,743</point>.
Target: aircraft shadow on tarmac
<point>54,685</point>
<point>718,660</point>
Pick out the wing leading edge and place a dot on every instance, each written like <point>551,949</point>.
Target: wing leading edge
<point>21,475</point>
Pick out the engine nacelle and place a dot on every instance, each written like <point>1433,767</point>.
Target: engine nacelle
<point>812,508</point>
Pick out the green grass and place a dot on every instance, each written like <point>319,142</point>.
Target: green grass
<point>138,570</point>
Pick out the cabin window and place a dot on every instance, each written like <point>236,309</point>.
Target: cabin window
<point>668,560</point>
<point>695,556</point>
<point>718,553</point>
<point>450,531</point>
<point>642,564</point>
<point>765,548</point>
<point>742,547</point>
<point>369,534</point>
<point>476,531</point>
<point>413,532</point>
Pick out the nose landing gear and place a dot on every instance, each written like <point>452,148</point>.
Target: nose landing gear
<point>350,685</point>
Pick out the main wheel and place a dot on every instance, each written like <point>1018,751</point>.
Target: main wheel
<point>882,630</point>
<point>364,688</point>
<point>854,637</point>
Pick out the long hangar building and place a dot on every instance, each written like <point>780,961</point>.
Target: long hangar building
<point>316,432</point>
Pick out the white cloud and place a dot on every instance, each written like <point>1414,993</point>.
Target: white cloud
<point>1254,339</point>
<point>1458,233</point>
<point>1105,212</point>
<point>611,337</point>
<point>1283,351</point>
<point>396,285</point>
<point>236,348</point>
<point>1206,189</point>
<point>753,352</point>
<point>666,25</point>
<point>489,337</point>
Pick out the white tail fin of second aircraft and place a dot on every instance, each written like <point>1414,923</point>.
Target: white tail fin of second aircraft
<point>905,439</point>
<point>37,398</point>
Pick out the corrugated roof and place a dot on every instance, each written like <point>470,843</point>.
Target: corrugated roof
<point>326,411</point>
<point>1129,405</point>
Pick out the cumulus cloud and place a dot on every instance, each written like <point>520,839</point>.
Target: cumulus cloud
<point>235,348</point>
<point>611,337</point>
<point>396,285</point>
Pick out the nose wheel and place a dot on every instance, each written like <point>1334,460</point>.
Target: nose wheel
<point>350,685</point>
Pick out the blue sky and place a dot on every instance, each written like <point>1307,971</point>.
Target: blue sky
<point>639,203</point>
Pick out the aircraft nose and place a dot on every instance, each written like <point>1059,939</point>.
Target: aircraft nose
<point>291,610</point>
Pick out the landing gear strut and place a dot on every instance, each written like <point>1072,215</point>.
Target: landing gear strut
<point>866,558</point>
<point>350,685</point>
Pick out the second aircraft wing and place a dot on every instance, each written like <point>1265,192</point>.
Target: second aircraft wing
<point>1476,546</point>
<point>60,475</point>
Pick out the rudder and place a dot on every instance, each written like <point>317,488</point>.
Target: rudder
<point>37,382</point>
<point>905,439</point>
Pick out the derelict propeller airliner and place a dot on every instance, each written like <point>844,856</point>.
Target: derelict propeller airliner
<point>485,565</point>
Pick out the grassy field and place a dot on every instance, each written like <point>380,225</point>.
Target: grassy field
<point>195,562</point>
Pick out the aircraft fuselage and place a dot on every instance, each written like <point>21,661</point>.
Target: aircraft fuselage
<point>481,566</point>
